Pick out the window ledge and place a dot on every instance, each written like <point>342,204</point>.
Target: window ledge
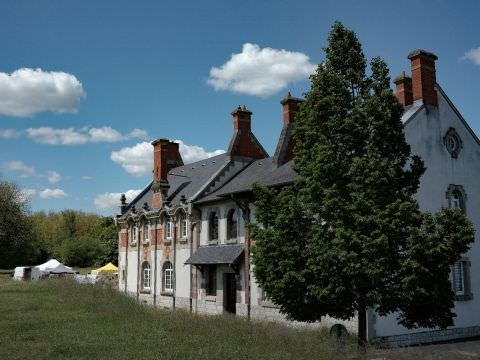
<point>212,242</point>
<point>211,298</point>
<point>146,242</point>
<point>133,243</point>
<point>167,293</point>
<point>465,297</point>
<point>231,241</point>
<point>184,240</point>
<point>167,241</point>
<point>145,291</point>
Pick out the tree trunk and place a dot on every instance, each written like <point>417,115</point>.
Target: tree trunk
<point>362,328</point>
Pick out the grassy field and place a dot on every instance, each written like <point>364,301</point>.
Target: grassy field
<point>63,320</point>
<point>58,319</point>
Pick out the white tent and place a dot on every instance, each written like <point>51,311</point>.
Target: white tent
<point>51,265</point>
<point>61,269</point>
<point>27,273</point>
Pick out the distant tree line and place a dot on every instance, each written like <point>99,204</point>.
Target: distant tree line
<point>73,237</point>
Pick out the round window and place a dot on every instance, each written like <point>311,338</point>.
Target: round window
<point>452,142</point>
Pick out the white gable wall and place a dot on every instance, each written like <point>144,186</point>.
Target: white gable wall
<point>425,133</point>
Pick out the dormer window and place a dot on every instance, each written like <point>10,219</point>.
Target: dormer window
<point>452,142</point>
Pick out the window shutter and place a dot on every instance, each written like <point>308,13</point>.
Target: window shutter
<point>466,276</point>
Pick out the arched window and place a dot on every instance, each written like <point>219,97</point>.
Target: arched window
<point>169,228</point>
<point>457,200</point>
<point>456,197</point>
<point>146,276</point>
<point>232,224</point>
<point>184,225</point>
<point>213,226</point>
<point>168,277</point>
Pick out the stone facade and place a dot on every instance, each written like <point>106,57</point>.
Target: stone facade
<point>179,239</point>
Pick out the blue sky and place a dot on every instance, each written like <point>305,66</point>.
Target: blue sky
<point>116,74</point>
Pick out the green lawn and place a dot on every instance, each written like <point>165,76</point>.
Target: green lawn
<point>63,320</point>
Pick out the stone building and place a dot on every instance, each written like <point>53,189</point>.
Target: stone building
<point>183,242</point>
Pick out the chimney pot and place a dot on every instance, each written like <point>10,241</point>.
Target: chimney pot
<point>290,108</point>
<point>404,89</point>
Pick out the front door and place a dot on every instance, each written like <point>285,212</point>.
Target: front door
<point>230,294</point>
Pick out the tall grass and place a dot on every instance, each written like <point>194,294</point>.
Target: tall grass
<point>64,320</point>
<point>59,319</point>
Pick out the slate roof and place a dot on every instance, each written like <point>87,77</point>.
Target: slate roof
<point>217,254</point>
<point>262,171</point>
<point>183,180</point>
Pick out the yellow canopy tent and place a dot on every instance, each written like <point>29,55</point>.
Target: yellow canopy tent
<point>105,270</point>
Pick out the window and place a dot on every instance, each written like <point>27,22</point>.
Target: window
<point>456,197</point>
<point>146,232</point>
<point>452,142</point>
<point>133,234</point>
<point>168,277</point>
<point>146,276</point>
<point>461,280</point>
<point>213,226</point>
<point>232,224</point>
<point>184,225</point>
<point>211,280</point>
<point>169,228</point>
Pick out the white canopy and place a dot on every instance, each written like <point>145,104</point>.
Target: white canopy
<point>53,264</point>
<point>61,269</point>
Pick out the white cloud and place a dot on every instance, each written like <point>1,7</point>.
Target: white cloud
<point>192,153</point>
<point>260,72</point>
<point>52,194</point>
<point>72,136</point>
<point>104,134</point>
<point>473,55</point>
<point>9,134</point>
<point>21,167</point>
<point>25,92</point>
<point>53,176</point>
<point>111,201</point>
<point>51,136</point>
<point>87,177</point>
<point>138,160</point>
<point>138,133</point>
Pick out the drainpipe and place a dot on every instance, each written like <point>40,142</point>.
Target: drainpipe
<point>191,272</point>
<point>138,264</point>
<point>246,218</point>
<point>174,261</point>
<point>155,270</point>
<point>126,260</point>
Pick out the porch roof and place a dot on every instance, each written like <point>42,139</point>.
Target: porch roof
<point>216,254</point>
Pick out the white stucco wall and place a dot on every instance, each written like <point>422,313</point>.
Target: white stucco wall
<point>425,134</point>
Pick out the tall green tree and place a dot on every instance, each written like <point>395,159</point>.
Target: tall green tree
<point>349,234</point>
<point>16,236</point>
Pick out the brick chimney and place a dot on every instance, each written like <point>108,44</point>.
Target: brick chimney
<point>166,156</point>
<point>423,76</point>
<point>244,145</point>
<point>286,145</point>
<point>290,108</point>
<point>404,89</point>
